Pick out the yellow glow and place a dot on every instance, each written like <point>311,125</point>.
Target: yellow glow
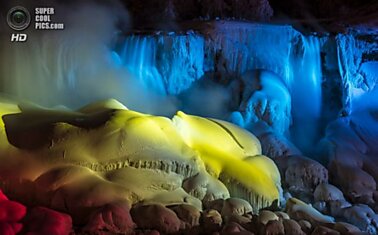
<point>129,139</point>
<point>267,165</point>
<point>232,152</point>
<point>204,134</point>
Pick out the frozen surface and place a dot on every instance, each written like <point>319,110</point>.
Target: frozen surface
<point>357,64</point>
<point>167,64</point>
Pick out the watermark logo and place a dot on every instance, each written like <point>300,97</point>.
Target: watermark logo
<point>44,19</point>
<point>19,37</point>
<point>18,18</point>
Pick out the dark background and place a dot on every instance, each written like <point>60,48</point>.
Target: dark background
<point>314,15</point>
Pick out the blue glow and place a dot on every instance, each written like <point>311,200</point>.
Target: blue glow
<point>306,92</point>
<point>166,64</point>
<point>138,56</point>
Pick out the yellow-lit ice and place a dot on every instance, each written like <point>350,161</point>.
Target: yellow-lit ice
<point>104,152</point>
<point>234,156</point>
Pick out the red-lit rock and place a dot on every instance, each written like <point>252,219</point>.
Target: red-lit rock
<point>156,217</point>
<point>10,228</point>
<point>11,211</point>
<point>44,221</point>
<point>114,218</point>
<point>2,196</point>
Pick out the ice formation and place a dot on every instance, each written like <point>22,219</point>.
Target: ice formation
<point>67,159</point>
<point>288,88</point>
<point>167,64</point>
<point>265,98</point>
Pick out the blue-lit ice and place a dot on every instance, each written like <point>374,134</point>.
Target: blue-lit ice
<point>166,64</point>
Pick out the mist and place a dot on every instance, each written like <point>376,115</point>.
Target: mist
<point>75,66</point>
<point>206,98</point>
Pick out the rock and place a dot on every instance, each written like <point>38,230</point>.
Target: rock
<point>10,228</point>
<point>327,192</point>
<point>361,216</point>
<point>152,232</point>
<point>235,206</point>
<point>337,11</point>
<point>240,219</point>
<point>351,139</point>
<point>273,227</point>
<point>190,215</point>
<point>211,221</point>
<point>168,12</point>
<point>292,227</point>
<point>215,205</point>
<point>2,196</point>
<point>375,198</point>
<point>156,217</point>
<point>346,229</point>
<point>11,211</point>
<point>266,216</point>
<point>275,145</point>
<point>357,185</point>
<point>114,218</point>
<point>306,226</point>
<point>321,230</point>
<point>44,221</point>
<point>282,215</point>
<point>233,228</point>
<point>252,10</point>
<point>335,207</point>
<point>330,200</point>
<point>301,175</point>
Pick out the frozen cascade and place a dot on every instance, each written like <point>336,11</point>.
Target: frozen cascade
<point>358,74</point>
<point>306,92</point>
<point>166,64</point>
<point>235,48</point>
<point>307,79</point>
<point>138,55</point>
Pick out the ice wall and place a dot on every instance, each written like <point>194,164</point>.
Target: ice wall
<point>358,65</point>
<point>167,63</point>
<point>350,143</point>
<point>357,58</point>
<point>225,52</point>
<point>234,48</point>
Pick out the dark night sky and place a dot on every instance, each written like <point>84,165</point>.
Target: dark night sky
<point>310,13</point>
